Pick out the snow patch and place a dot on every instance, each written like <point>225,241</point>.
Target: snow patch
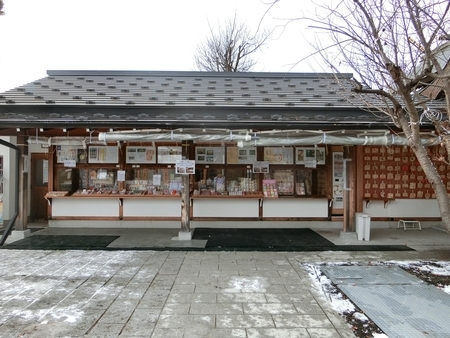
<point>360,316</point>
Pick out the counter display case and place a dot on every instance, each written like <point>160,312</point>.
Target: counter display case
<point>230,181</point>
<point>67,179</point>
<point>299,182</point>
<point>96,181</point>
<point>152,181</point>
<point>285,182</point>
<point>141,183</point>
<point>310,182</point>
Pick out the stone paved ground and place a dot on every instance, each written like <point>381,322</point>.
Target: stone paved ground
<point>170,293</point>
<point>160,294</point>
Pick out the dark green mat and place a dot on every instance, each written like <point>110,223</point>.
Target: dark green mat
<point>62,242</point>
<point>303,239</point>
<point>288,239</point>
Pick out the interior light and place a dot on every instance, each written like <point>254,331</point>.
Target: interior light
<point>64,130</point>
<point>17,129</point>
<point>41,129</point>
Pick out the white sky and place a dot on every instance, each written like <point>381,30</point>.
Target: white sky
<point>135,35</point>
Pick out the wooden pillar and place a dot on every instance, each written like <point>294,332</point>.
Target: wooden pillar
<point>349,190</point>
<point>185,232</point>
<point>185,204</point>
<point>352,186</point>
<point>24,162</point>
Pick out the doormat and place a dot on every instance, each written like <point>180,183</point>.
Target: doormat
<point>287,239</point>
<point>62,242</point>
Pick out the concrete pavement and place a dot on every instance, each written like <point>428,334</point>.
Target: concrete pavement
<point>160,294</point>
<point>181,293</point>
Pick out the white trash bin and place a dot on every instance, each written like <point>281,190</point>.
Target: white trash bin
<point>362,222</point>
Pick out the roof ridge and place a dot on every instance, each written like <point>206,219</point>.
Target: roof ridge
<point>193,74</point>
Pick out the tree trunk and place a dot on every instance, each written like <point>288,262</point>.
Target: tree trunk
<point>437,184</point>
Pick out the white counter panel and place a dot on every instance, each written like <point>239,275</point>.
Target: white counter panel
<point>403,208</point>
<point>85,207</point>
<point>295,207</point>
<point>225,207</point>
<point>152,207</point>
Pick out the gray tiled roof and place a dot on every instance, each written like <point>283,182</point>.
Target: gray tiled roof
<point>153,98</point>
<point>185,89</point>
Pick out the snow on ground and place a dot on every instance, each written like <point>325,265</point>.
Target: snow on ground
<point>341,304</point>
<point>440,268</point>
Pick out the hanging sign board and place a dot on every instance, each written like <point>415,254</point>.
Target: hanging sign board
<point>261,167</point>
<point>70,163</point>
<point>185,167</point>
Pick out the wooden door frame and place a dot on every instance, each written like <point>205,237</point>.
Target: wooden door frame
<point>34,158</point>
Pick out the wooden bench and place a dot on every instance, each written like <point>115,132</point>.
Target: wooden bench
<point>409,224</point>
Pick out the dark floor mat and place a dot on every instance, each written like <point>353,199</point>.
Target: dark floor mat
<point>62,242</point>
<point>262,239</point>
<point>288,239</point>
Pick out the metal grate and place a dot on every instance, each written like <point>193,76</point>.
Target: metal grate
<point>399,303</point>
<point>369,275</point>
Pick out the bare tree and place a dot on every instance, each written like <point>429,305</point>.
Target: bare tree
<point>398,51</point>
<point>230,48</point>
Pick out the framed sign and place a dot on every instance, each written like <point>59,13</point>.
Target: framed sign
<point>141,155</point>
<point>236,155</point>
<point>70,153</point>
<point>169,154</point>
<point>309,156</point>
<point>280,155</point>
<point>103,154</point>
<point>210,155</point>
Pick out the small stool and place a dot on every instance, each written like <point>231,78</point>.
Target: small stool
<point>409,224</point>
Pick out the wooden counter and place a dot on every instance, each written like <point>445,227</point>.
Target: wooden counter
<point>168,207</point>
<point>115,206</point>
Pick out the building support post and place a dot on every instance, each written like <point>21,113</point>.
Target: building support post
<point>348,191</point>
<point>24,163</point>
<point>185,205</point>
<point>185,232</point>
